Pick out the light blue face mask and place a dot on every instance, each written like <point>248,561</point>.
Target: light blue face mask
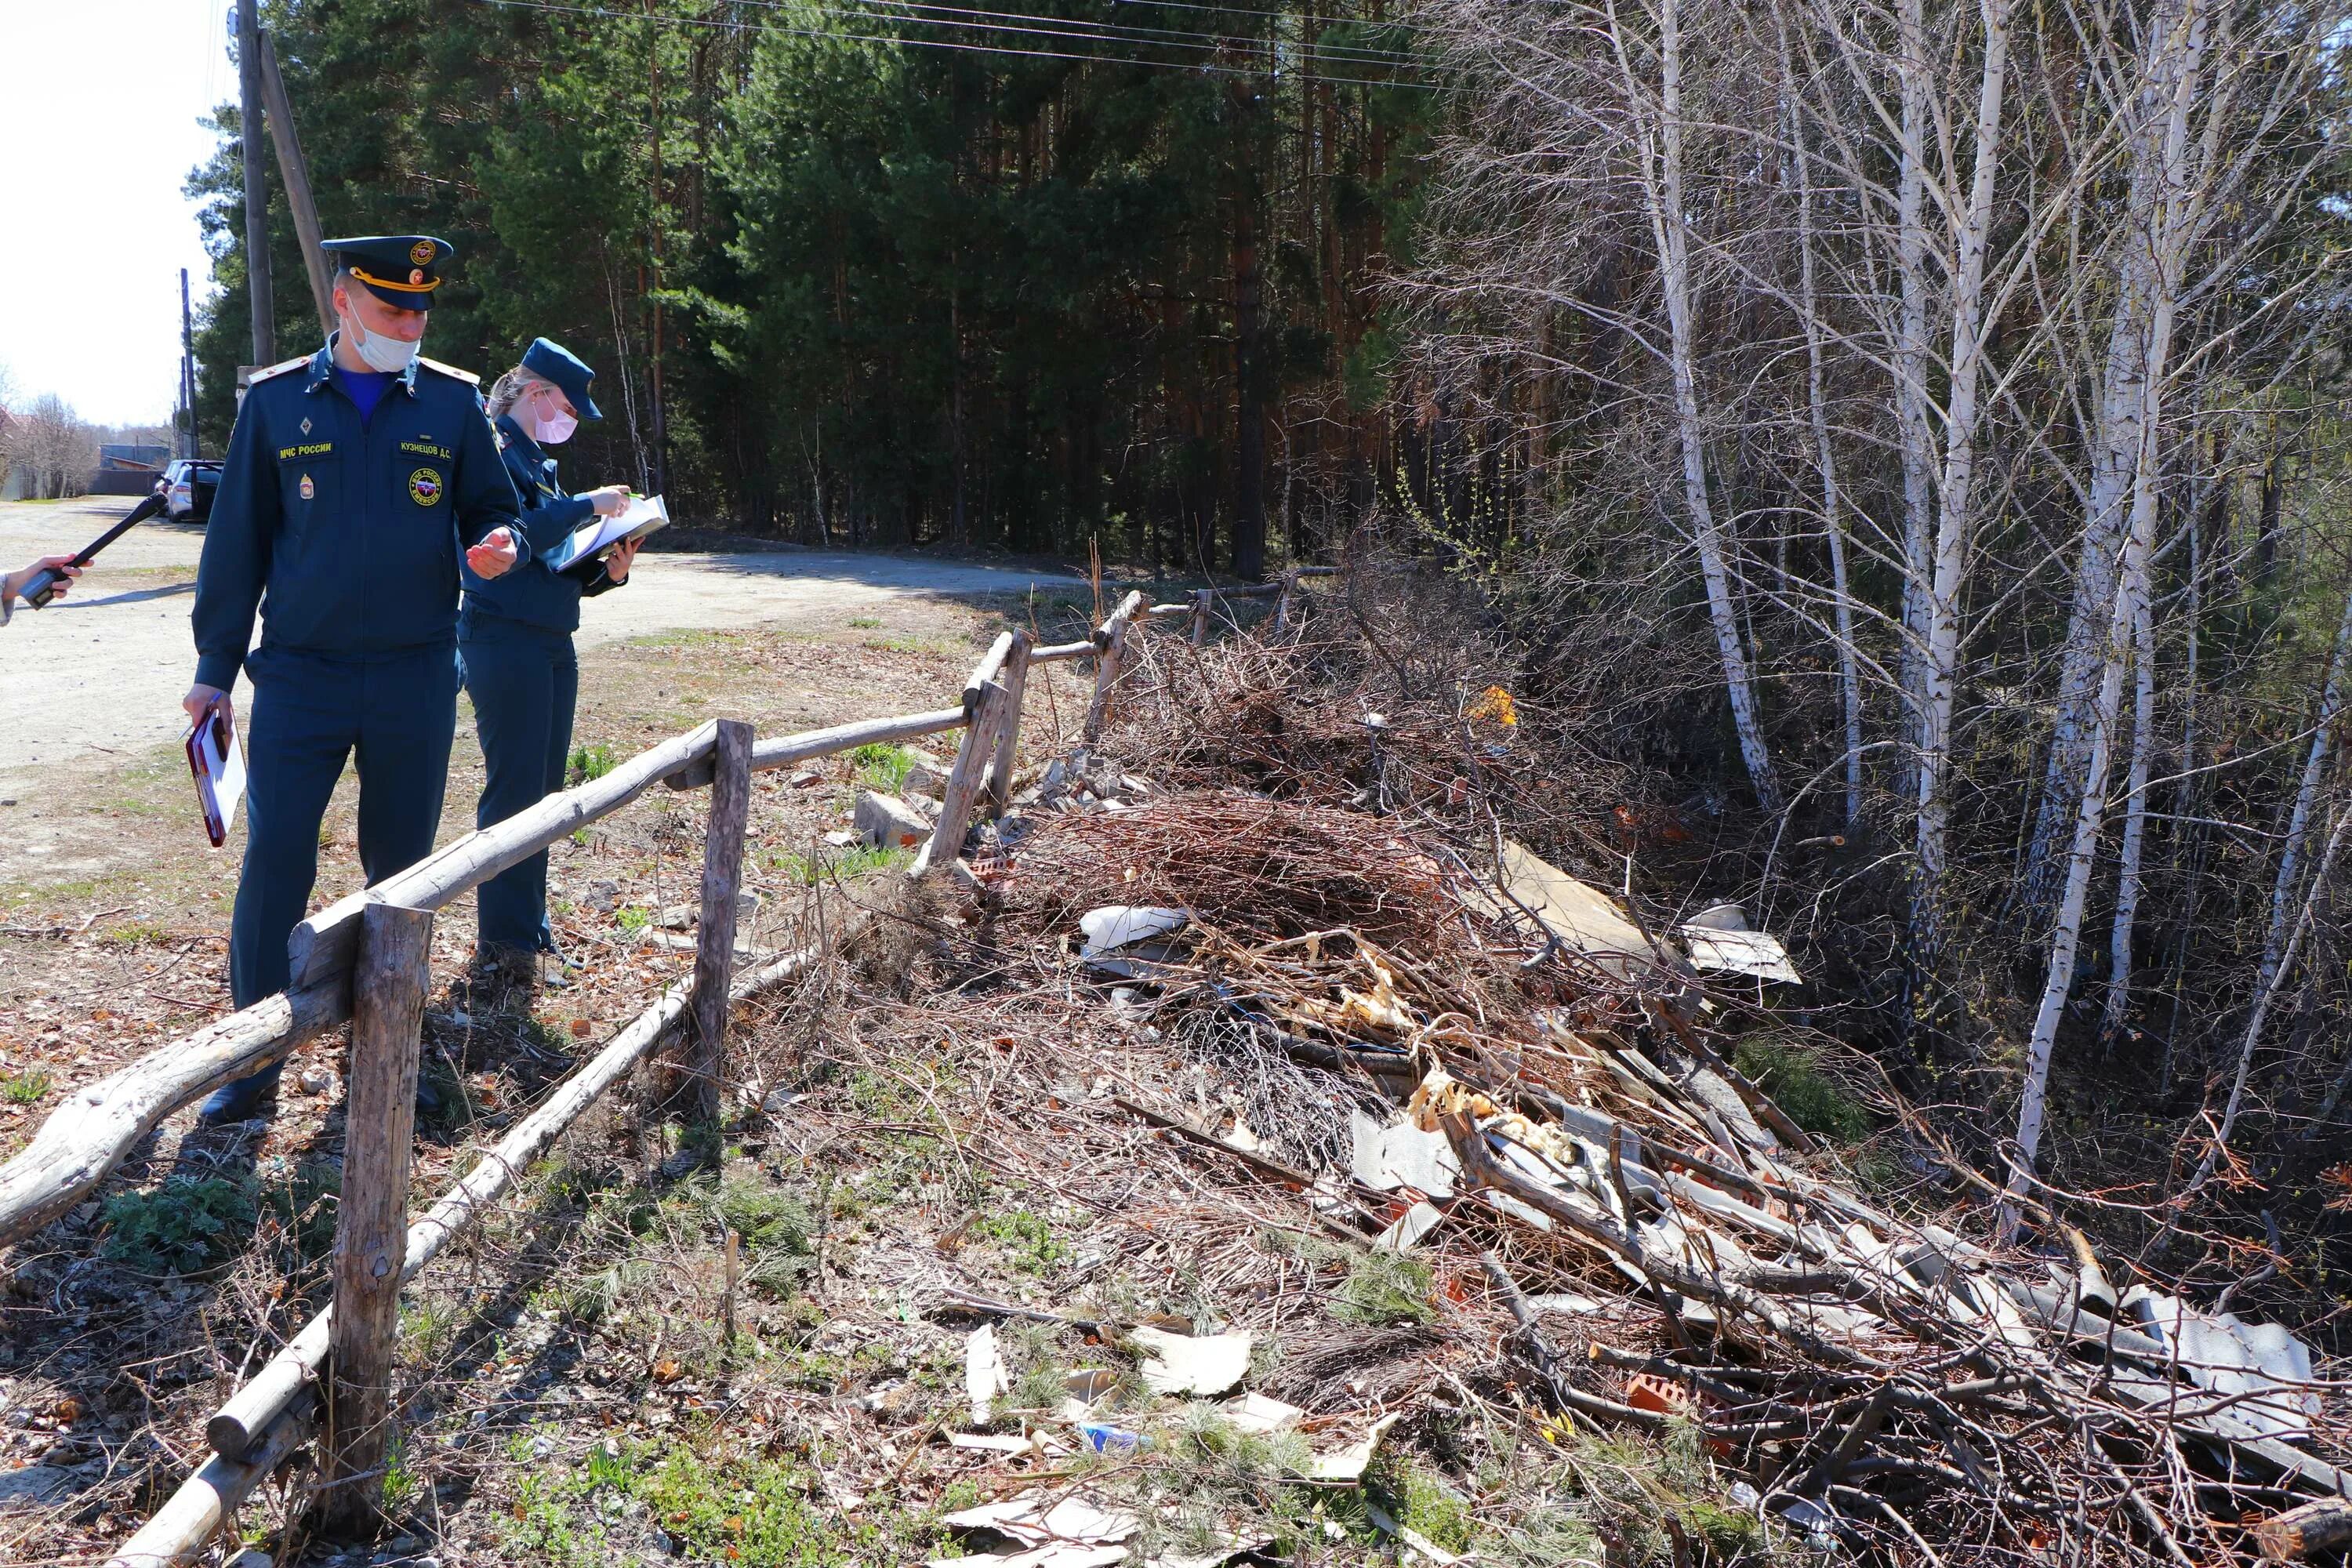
<point>384,353</point>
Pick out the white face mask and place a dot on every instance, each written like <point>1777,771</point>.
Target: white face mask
<point>553,429</point>
<point>382,354</point>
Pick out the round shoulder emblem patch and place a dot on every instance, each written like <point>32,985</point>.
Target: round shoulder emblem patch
<point>424,487</point>
<point>421,252</point>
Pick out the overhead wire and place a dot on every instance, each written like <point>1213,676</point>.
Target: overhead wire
<point>953,46</point>
<point>1174,37</point>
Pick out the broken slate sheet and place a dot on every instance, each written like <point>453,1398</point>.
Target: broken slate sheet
<point>1182,1363</point>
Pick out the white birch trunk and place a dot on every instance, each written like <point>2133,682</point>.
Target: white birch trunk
<point>2139,345</point>
<point>1661,154</point>
<point>1912,429</point>
<point>2153,253</point>
<point>2127,870</point>
<point>1941,639</point>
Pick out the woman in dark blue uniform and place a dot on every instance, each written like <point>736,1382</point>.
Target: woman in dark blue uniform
<point>514,643</point>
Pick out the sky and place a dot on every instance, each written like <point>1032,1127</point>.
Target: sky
<point>99,128</point>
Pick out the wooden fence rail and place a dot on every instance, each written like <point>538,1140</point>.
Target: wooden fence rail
<point>365,958</point>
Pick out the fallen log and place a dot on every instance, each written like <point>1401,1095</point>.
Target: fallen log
<point>98,1125</point>
<point>2306,1531</point>
<point>235,1429</point>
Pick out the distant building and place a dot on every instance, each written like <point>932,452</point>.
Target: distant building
<point>127,469</point>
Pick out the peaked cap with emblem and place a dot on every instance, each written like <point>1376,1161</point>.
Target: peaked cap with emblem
<point>402,270</point>
<point>550,361</point>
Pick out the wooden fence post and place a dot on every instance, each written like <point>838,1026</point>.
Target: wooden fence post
<point>371,1228</point>
<point>1110,639</point>
<point>714,952</point>
<point>966,775</point>
<point>1007,746</point>
<point>1282,605</point>
<point>1203,599</point>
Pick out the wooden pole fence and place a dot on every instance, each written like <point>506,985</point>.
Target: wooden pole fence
<point>1005,743</point>
<point>367,958</point>
<point>372,1216</point>
<point>250,1427</point>
<point>714,954</point>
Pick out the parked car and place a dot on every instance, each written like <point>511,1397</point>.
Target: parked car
<point>187,487</point>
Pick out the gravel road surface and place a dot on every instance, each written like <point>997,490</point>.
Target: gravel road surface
<point>103,673</point>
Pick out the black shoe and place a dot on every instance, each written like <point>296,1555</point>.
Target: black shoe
<point>244,1101</point>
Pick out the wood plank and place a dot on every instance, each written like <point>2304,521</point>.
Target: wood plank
<point>371,1222</point>
<point>705,1065</point>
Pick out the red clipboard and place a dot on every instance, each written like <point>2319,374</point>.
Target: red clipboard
<point>217,765</point>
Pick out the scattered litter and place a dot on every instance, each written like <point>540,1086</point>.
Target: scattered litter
<point>1347,1466</point>
<point>1565,1302</point>
<point>1256,1413</point>
<point>1104,1438</point>
<point>1227,1546</point>
<point>983,1372</point>
<point>1090,1383</point>
<point>1070,1533</point>
<point>1402,1155</point>
<point>2261,1368</point>
<point>1720,942</point>
<point>1414,1541</point>
<point>1409,1227</point>
<point>994,1442</point>
<point>1182,1363</point>
<point>1117,925</point>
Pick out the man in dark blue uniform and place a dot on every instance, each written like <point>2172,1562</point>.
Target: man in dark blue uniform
<point>356,481</point>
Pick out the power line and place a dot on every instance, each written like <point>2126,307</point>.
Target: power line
<point>1203,67</point>
<point>1128,32</point>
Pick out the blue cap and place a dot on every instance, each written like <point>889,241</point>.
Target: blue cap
<point>401,270</point>
<point>550,361</point>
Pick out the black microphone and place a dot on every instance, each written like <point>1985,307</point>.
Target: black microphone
<point>45,583</point>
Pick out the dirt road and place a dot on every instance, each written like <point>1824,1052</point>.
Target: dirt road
<point>102,673</point>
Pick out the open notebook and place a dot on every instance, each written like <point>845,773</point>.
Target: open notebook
<point>218,764</point>
<point>598,534</point>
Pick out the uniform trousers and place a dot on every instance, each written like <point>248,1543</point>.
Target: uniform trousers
<point>524,680</point>
<point>396,717</point>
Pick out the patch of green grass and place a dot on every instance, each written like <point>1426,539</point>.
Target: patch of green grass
<point>135,934</point>
<point>1813,1098</point>
<point>633,918</point>
<point>181,1227</point>
<point>847,865</point>
<point>1028,1241</point>
<point>864,622</point>
<point>1420,1502</point>
<point>882,767</point>
<point>25,1088</point>
<point>593,762</point>
<point>1385,1288</point>
<point>777,1232</point>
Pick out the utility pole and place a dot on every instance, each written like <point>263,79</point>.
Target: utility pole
<point>187,364</point>
<point>256,190</point>
<point>294,175</point>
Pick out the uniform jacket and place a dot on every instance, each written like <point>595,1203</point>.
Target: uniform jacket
<point>531,592</point>
<point>356,533</point>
